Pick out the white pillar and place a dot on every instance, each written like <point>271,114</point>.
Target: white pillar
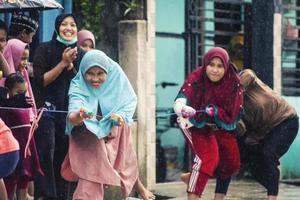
<point>277,47</point>
<point>137,57</point>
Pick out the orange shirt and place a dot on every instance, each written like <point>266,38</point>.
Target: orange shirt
<point>7,141</point>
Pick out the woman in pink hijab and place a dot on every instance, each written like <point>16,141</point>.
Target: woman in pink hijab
<point>86,40</point>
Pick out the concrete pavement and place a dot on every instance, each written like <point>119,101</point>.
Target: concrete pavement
<point>238,190</point>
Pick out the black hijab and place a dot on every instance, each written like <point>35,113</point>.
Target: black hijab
<point>59,19</point>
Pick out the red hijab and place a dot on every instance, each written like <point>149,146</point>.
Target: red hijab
<point>226,94</point>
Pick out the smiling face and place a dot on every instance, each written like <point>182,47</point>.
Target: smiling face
<point>95,76</point>
<point>215,70</point>
<point>24,60</point>
<point>68,29</point>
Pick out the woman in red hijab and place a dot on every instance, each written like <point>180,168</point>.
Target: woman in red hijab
<point>208,106</point>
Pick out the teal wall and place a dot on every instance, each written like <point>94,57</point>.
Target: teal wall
<point>170,16</point>
<point>290,168</point>
<point>209,25</point>
<point>170,67</point>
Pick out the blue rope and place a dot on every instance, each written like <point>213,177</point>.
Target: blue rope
<point>64,111</point>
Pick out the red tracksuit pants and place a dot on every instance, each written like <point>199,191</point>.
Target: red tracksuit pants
<point>216,154</point>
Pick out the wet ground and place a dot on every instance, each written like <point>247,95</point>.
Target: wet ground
<point>238,190</point>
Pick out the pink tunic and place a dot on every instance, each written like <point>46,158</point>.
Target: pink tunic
<point>110,161</point>
<point>19,123</point>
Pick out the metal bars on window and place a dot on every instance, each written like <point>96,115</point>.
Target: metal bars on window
<point>210,23</point>
<point>291,48</point>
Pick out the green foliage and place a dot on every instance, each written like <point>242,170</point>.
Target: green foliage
<point>131,5</point>
<point>89,14</point>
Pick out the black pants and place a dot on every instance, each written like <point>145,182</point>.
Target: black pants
<point>52,146</point>
<point>263,159</point>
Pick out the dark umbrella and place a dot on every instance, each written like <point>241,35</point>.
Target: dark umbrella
<point>27,5</point>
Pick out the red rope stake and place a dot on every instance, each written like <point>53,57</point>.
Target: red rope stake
<point>32,130</point>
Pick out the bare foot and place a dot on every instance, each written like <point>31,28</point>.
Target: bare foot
<point>185,177</point>
<point>29,197</point>
<point>143,192</point>
<point>272,197</point>
<point>147,195</point>
<point>219,196</point>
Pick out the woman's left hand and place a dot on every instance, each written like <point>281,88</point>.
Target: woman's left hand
<point>117,120</point>
<point>210,111</point>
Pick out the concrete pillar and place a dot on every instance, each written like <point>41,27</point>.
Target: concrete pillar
<point>136,58</point>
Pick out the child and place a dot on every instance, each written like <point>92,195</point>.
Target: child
<point>86,40</point>
<point>19,122</point>
<point>208,107</point>
<point>100,150</point>
<point>22,27</point>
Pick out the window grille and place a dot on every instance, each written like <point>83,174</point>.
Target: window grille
<point>291,48</point>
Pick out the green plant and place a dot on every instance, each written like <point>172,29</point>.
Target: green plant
<point>131,5</point>
<point>89,15</point>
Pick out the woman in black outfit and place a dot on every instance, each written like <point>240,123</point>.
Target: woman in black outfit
<point>55,64</point>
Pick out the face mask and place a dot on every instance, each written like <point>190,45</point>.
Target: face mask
<point>66,42</point>
<point>18,101</point>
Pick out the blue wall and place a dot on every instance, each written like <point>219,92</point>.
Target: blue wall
<point>46,20</point>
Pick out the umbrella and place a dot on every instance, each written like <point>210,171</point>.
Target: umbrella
<point>28,5</point>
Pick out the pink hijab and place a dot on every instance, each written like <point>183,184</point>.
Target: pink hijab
<point>84,35</point>
<point>13,52</point>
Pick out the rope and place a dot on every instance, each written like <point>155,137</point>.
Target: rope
<point>45,110</point>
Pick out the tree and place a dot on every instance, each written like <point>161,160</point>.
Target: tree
<point>90,15</point>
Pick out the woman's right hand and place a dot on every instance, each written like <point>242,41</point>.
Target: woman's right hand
<point>188,112</point>
<point>85,114</point>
